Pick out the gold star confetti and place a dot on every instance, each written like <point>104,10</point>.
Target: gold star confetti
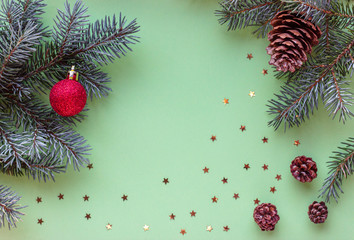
<point>265,71</point>
<point>109,226</point>
<point>225,101</point>
<point>297,143</point>
<point>209,228</point>
<point>146,228</point>
<point>252,94</point>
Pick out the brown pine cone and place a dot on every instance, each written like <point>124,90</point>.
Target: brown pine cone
<point>303,169</point>
<point>266,216</point>
<point>318,212</point>
<point>291,38</point>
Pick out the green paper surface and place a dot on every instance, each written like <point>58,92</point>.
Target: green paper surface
<point>167,102</point>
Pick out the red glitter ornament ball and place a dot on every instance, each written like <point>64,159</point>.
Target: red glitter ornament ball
<point>68,97</point>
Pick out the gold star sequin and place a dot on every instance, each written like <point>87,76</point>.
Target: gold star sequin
<point>146,228</point>
<point>209,228</point>
<point>109,226</point>
<point>252,94</point>
<point>225,101</point>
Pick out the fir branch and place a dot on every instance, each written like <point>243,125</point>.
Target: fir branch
<point>9,207</point>
<point>339,14</point>
<point>32,9</point>
<point>340,167</point>
<point>240,14</point>
<point>37,144</point>
<point>10,11</point>
<point>337,98</point>
<point>311,4</point>
<point>93,80</point>
<point>297,99</point>
<point>19,45</point>
<point>69,27</point>
<point>66,143</point>
<point>30,113</point>
<point>24,11</point>
<point>263,30</point>
<point>70,145</point>
<point>12,147</point>
<point>44,168</point>
<point>107,39</point>
<point>101,42</point>
<point>27,113</point>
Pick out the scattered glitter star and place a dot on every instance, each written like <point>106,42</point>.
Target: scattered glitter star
<point>272,189</point>
<point>249,56</point>
<point>225,101</point>
<point>256,201</point>
<point>39,199</point>
<point>224,180</point>
<point>278,177</point>
<point>252,94</point>
<point>236,195</point>
<point>247,166</point>
<point>206,170</point>
<point>40,221</point>
<point>165,181</point>
<point>125,197</point>
<point>243,128</point>
<point>296,143</point>
<point>183,231</point>
<point>214,199</point>
<point>265,140</point>
<point>146,228</point>
<point>86,198</point>
<point>226,228</point>
<point>88,216</point>
<point>61,196</point>
<point>265,167</point>
<point>90,166</point>
<point>172,216</point>
<point>209,228</point>
<point>265,71</point>
<point>193,213</point>
<point>213,138</point>
<point>109,226</point>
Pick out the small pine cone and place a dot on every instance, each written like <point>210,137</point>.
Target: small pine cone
<point>303,169</point>
<point>266,216</point>
<point>291,38</point>
<point>318,212</point>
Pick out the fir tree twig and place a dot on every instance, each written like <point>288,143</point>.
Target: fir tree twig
<point>9,209</point>
<point>340,167</point>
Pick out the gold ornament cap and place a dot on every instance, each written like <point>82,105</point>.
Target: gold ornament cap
<point>72,75</point>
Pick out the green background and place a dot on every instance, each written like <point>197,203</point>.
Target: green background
<point>157,123</point>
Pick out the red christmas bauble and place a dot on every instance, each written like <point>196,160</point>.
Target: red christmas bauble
<point>67,97</point>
